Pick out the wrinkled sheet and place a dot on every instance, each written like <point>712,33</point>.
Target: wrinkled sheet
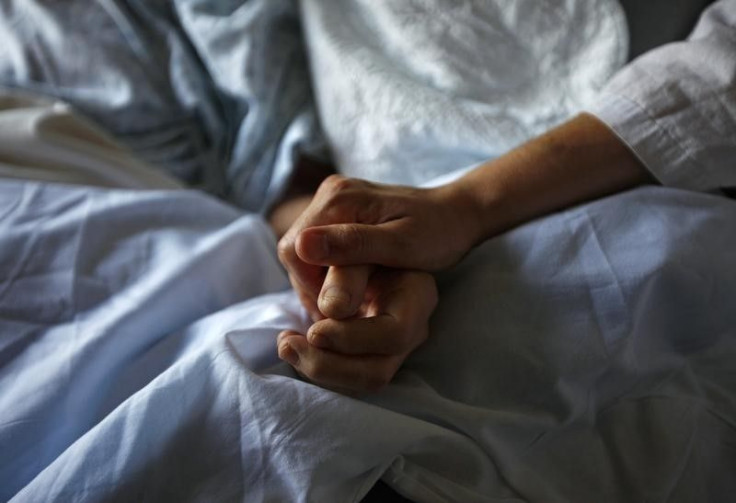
<point>587,356</point>
<point>218,93</point>
<point>410,90</point>
<point>214,93</point>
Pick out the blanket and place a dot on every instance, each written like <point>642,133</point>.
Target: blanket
<point>585,356</point>
<point>219,93</point>
<point>214,93</point>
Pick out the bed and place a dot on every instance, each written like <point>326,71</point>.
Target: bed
<point>585,356</point>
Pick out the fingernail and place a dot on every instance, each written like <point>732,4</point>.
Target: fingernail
<point>334,296</point>
<point>318,339</point>
<point>287,353</point>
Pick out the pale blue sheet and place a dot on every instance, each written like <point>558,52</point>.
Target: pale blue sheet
<point>588,356</point>
<point>215,93</point>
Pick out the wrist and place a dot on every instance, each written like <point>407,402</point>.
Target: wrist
<point>471,204</point>
<point>576,162</point>
<point>487,199</point>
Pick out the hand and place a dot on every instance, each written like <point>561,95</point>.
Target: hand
<point>362,354</point>
<point>356,222</point>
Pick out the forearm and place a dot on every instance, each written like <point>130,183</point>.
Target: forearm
<point>353,222</point>
<point>578,161</point>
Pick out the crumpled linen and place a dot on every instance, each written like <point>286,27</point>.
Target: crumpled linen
<point>215,94</point>
<point>46,140</point>
<point>587,356</point>
<point>411,90</point>
<point>218,94</point>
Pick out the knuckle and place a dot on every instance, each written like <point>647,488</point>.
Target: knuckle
<point>343,184</point>
<point>335,183</point>
<point>337,198</point>
<point>285,250</point>
<point>338,184</point>
<point>317,337</point>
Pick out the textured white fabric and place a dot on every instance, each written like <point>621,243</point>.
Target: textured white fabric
<point>413,89</point>
<point>213,92</point>
<point>44,139</point>
<point>676,106</point>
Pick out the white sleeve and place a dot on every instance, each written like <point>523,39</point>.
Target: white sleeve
<point>675,106</point>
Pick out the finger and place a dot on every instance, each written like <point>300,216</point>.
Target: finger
<point>398,321</point>
<point>336,371</point>
<point>377,335</point>
<point>321,210</point>
<point>343,290</point>
<point>286,344</point>
<point>354,244</point>
<point>309,303</point>
<point>407,296</point>
<point>305,278</point>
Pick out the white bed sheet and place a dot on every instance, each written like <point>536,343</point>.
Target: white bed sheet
<point>586,356</point>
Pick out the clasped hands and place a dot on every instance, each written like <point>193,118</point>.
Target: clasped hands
<point>360,253</point>
<point>360,258</point>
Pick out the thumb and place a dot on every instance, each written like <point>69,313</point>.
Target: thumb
<point>353,244</point>
<point>343,290</point>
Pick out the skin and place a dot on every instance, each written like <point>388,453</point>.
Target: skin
<point>350,226</point>
<point>362,353</point>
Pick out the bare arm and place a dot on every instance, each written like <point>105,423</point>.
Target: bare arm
<point>578,161</point>
<point>353,222</point>
<point>407,228</point>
